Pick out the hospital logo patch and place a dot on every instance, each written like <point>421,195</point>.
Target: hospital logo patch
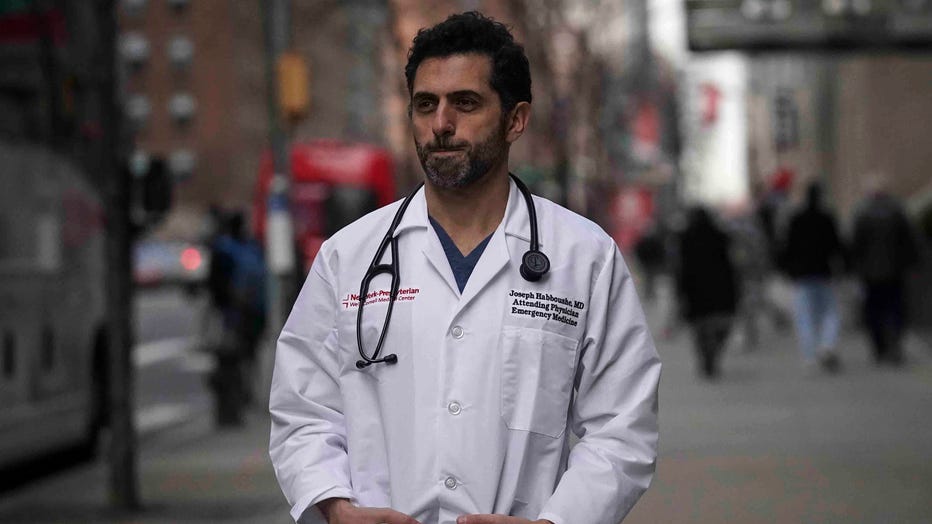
<point>408,294</point>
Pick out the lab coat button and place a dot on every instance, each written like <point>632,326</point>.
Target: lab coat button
<point>457,332</point>
<point>454,408</point>
<point>450,483</point>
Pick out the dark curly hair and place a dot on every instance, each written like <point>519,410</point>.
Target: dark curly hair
<point>473,32</point>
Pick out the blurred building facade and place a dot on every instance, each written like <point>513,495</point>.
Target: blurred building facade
<point>842,119</point>
<point>194,98</point>
<point>835,91</point>
<point>194,77</point>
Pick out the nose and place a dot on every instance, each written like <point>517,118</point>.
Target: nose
<point>444,121</point>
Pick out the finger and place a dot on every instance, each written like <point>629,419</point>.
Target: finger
<point>488,519</point>
<point>390,516</point>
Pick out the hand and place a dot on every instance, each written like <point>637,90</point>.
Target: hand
<point>497,519</point>
<point>342,511</point>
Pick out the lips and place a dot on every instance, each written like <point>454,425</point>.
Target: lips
<point>448,151</point>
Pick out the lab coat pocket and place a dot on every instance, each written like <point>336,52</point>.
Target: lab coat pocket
<point>537,377</point>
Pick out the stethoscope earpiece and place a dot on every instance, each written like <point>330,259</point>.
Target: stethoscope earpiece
<point>534,265</point>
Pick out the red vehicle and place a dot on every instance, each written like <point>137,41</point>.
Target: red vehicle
<point>332,184</point>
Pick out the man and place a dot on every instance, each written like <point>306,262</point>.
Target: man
<point>468,421</point>
<point>813,253</point>
<point>707,287</point>
<point>883,251</point>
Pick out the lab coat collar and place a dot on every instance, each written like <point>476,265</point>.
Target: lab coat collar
<point>516,220</point>
<point>496,255</point>
<point>416,214</point>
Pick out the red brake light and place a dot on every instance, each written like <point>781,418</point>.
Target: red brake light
<point>191,259</point>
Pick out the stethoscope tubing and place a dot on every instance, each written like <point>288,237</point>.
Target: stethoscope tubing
<point>375,269</point>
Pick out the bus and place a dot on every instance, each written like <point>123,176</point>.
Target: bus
<point>332,183</point>
<point>52,306</point>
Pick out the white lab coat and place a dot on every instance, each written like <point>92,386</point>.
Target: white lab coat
<point>474,416</point>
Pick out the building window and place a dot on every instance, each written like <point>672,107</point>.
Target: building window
<point>182,107</point>
<point>915,6</point>
<point>181,163</point>
<point>180,51</point>
<point>134,48</point>
<point>134,7</point>
<point>767,10</point>
<point>138,163</point>
<point>179,5</point>
<point>138,109</point>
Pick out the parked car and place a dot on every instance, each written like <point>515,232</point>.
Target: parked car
<point>170,263</point>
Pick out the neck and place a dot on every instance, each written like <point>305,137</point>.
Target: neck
<point>470,214</point>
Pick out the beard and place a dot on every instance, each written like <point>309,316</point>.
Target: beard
<point>457,171</point>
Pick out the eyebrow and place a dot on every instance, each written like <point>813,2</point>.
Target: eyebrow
<point>454,94</point>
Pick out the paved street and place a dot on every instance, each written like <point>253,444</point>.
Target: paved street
<point>766,443</point>
<point>769,443</point>
<point>171,372</point>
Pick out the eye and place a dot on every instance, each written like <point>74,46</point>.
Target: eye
<point>467,104</point>
<point>424,105</point>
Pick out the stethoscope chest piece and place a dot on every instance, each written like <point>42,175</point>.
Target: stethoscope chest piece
<point>534,265</point>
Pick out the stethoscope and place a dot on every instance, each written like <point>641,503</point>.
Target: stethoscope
<point>534,265</point>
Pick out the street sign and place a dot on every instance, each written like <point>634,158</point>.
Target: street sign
<point>809,24</point>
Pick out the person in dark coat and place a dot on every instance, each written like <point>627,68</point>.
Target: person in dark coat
<point>813,253</point>
<point>651,257</point>
<point>707,287</point>
<point>883,250</point>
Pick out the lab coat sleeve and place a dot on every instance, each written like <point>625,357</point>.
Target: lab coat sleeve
<point>308,434</point>
<point>614,411</point>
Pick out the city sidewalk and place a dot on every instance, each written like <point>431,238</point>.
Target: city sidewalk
<point>192,473</point>
<point>767,443</point>
<point>772,442</point>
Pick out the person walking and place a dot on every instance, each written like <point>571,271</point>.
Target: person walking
<point>813,253</point>
<point>652,258</point>
<point>751,256</point>
<point>707,287</point>
<point>883,249</point>
<point>236,284</point>
<point>441,381</point>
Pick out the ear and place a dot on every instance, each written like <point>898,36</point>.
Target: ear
<point>517,121</point>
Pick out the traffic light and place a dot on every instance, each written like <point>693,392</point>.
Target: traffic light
<point>294,94</point>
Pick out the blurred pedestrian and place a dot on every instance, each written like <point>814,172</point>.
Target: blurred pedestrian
<point>707,287</point>
<point>650,251</point>
<point>771,214</point>
<point>813,253</point>
<point>883,249</point>
<point>751,256</point>
<point>773,210</point>
<point>237,291</point>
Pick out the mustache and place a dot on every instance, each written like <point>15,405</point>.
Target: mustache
<point>442,144</point>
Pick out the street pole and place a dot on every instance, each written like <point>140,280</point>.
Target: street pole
<point>123,479</point>
<point>279,243</point>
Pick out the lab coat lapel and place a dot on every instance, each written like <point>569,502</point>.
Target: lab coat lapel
<point>493,259</point>
<point>496,256</point>
<point>415,218</point>
<point>438,260</point>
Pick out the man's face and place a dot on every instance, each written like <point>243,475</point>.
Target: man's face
<point>459,129</point>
